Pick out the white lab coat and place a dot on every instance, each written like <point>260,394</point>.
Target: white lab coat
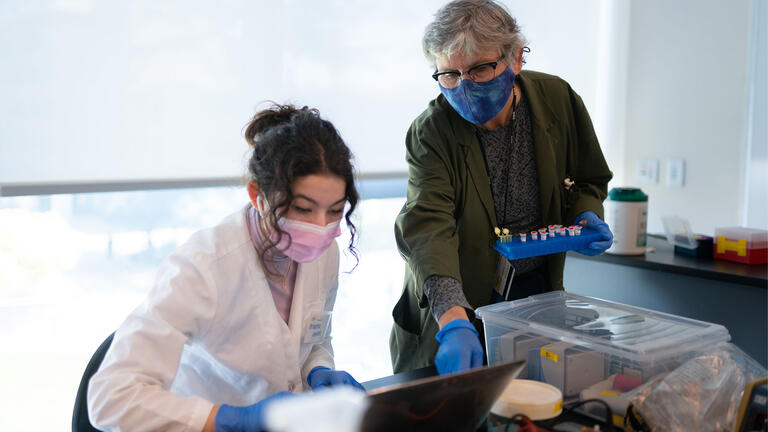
<point>209,333</point>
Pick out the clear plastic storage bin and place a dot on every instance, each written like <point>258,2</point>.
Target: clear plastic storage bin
<point>578,343</point>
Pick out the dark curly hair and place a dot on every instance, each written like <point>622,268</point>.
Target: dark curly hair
<point>289,143</point>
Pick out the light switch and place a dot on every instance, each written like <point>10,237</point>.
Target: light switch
<point>648,170</point>
<point>676,172</point>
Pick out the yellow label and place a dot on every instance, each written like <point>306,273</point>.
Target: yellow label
<point>609,393</point>
<point>618,420</point>
<point>548,354</point>
<point>738,246</point>
<point>558,406</point>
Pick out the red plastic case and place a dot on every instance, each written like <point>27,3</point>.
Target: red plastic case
<point>739,244</point>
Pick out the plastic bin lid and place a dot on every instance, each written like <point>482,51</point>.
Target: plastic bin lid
<point>627,331</point>
<point>679,232</point>
<point>756,238</point>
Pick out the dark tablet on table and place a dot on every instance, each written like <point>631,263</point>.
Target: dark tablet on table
<point>455,402</point>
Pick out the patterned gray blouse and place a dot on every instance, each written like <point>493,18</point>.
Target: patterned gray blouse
<point>510,160</point>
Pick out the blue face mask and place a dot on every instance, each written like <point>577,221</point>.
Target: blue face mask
<point>479,102</point>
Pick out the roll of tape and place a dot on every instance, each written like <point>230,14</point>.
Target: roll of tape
<point>537,400</point>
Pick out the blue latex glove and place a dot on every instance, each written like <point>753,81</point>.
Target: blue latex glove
<point>591,220</point>
<point>248,418</point>
<point>460,347</point>
<point>321,376</point>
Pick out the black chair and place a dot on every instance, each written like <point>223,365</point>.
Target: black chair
<point>80,422</point>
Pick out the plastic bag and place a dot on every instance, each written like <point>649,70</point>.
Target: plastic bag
<point>703,394</point>
<point>332,409</point>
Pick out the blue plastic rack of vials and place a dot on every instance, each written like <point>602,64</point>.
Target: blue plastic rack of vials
<point>546,242</point>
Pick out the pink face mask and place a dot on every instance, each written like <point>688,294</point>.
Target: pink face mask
<point>307,241</point>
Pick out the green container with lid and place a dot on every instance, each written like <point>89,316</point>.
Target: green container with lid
<point>626,213</point>
<point>627,194</point>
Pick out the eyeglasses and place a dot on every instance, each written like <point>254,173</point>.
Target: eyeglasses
<point>480,73</point>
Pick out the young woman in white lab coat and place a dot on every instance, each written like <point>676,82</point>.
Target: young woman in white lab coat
<point>240,315</point>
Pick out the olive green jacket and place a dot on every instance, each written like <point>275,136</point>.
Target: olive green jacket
<point>446,225</point>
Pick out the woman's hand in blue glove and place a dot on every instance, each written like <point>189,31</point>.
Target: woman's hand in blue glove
<point>591,220</point>
<point>460,347</point>
<point>249,418</point>
<point>321,376</point>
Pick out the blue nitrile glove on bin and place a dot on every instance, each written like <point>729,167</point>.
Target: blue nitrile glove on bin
<point>249,418</point>
<point>591,220</point>
<point>321,376</point>
<point>460,347</point>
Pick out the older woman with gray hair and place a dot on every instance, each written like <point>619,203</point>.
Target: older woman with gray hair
<point>499,147</point>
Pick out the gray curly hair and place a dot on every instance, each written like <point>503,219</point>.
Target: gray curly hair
<point>472,26</point>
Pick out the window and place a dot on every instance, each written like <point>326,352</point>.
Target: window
<point>73,266</point>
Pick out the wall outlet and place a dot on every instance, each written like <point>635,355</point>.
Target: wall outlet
<point>676,172</point>
<point>648,171</point>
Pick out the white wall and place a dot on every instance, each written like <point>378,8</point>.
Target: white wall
<point>141,90</point>
<point>756,161</point>
<point>562,37</point>
<point>585,43</point>
<point>612,71</point>
<point>106,91</point>
<point>114,91</point>
<point>687,98</point>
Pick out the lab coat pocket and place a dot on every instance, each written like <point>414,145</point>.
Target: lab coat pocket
<point>408,320</point>
<point>405,340</point>
<point>317,324</point>
<point>406,331</point>
<point>318,328</point>
<point>404,350</point>
<point>315,332</point>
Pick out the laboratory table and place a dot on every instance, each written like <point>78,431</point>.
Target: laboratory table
<point>732,294</point>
